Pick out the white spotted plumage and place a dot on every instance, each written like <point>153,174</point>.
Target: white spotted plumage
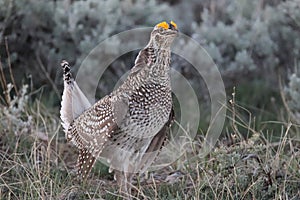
<point>128,126</point>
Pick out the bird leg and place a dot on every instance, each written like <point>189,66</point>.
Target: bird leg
<point>124,180</point>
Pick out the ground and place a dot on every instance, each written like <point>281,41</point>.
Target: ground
<point>37,163</point>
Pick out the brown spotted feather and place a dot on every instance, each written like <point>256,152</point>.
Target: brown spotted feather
<point>129,126</point>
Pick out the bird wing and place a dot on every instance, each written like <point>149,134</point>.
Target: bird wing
<point>90,132</point>
<point>74,102</point>
<point>156,143</point>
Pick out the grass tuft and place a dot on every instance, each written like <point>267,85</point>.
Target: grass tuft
<point>247,163</point>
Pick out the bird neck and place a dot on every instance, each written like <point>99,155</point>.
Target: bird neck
<point>160,70</point>
<point>155,63</point>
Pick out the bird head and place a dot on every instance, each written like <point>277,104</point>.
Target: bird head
<point>163,35</point>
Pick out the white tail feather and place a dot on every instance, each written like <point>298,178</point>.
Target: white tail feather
<point>74,102</point>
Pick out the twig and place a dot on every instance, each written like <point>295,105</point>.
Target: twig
<point>285,104</point>
<point>232,102</point>
<point>40,64</point>
<point>6,20</point>
<point>3,84</point>
<point>10,68</point>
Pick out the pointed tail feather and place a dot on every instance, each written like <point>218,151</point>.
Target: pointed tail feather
<point>74,102</point>
<point>67,72</point>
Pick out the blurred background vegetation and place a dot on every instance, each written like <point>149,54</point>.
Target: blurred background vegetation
<point>255,44</point>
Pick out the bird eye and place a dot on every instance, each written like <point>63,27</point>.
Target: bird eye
<point>160,30</point>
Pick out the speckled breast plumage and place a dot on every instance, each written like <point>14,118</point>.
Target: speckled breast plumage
<point>129,126</point>
<point>148,110</point>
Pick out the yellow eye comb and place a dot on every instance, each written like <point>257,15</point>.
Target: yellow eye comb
<point>173,23</point>
<point>164,25</point>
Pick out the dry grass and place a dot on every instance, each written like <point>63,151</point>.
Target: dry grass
<point>36,162</point>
